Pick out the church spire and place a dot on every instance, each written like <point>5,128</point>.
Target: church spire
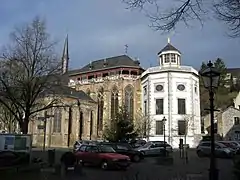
<point>65,56</point>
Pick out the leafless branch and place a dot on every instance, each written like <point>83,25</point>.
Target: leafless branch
<point>228,11</point>
<point>7,119</point>
<point>166,19</point>
<point>143,124</point>
<point>137,4</point>
<point>30,72</point>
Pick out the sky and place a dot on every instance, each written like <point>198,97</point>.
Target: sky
<point>99,29</point>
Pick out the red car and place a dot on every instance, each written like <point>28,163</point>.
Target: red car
<point>103,156</point>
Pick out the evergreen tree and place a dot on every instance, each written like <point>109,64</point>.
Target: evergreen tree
<point>203,66</point>
<point>121,128</point>
<point>221,67</point>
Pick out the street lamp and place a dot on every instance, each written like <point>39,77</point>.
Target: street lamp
<point>210,77</point>
<point>164,135</point>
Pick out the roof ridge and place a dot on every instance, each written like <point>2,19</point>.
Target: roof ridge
<point>112,62</point>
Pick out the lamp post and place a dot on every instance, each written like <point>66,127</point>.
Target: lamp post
<point>164,135</point>
<point>210,77</point>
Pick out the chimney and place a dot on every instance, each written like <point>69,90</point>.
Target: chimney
<point>105,62</point>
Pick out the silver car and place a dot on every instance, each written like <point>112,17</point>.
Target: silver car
<point>221,150</point>
<point>154,148</point>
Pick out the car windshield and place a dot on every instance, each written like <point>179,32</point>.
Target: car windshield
<point>107,149</point>
<point>147,145</point>
<point>222,145</point>
<point>234,143</point>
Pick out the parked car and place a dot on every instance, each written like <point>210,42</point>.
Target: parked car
<point>103,156</point>
<point>236,144</point>
<point>138,143</point>
<point>230,145</point>
<point>78,144</point>
<point>221,150</point>
<point>153,148</point>
<point>126,149</point>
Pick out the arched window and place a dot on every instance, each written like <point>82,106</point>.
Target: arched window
<point>57,120</point>
<point>91,124</point>
<point>129,100</point>
<point>81,125</point>
<point>88,92</point>
<point>114,102</point>
<point>100,108</point>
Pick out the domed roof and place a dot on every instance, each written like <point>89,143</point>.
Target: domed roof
<point>169,47</point>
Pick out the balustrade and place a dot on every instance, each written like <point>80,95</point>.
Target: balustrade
<point>101,79</point>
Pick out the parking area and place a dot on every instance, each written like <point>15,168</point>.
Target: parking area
<point>196,168</point>
<point>148,169</point>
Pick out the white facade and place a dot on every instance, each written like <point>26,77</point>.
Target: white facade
<point>237,101</point>
<point>165,88</point>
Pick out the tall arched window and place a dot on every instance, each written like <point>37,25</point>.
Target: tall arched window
<point>114,102</point>
<point>81,125</point>
<point>57,120</point>
<point>129,100</point>
<point>100,108</point>
<point>91,124</point>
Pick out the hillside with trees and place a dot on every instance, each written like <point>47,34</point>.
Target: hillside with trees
<point>225,93</point>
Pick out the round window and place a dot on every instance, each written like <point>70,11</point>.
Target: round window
<point>159,87</point>
<point>181,87</point>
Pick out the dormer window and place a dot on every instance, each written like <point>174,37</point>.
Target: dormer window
<point>137,62</point>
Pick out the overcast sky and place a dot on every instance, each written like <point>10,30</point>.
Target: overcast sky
<point>100,28</point>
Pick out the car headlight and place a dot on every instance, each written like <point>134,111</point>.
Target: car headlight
<point>128,159</point>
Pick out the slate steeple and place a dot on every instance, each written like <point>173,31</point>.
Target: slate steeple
<point>65,57</point>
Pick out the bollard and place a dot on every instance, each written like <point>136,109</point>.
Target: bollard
<point>51,157</point>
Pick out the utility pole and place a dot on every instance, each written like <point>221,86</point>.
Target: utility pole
<point>44,127</point>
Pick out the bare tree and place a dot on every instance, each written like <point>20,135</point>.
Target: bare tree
<point>7,120</point>
<point>143,125</point>
<point>164,18</point>
<point>29,72</point>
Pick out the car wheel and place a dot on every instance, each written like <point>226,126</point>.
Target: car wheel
<point>136,158</point>
<point>200,154</point>
<point>104,165</point>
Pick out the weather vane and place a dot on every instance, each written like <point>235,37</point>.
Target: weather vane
<point>126,48</point>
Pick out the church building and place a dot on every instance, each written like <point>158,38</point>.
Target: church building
<point>170,99</point>
<point>112,82</point>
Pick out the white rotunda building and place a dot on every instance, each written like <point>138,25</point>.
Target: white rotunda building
<point>171,90</point>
